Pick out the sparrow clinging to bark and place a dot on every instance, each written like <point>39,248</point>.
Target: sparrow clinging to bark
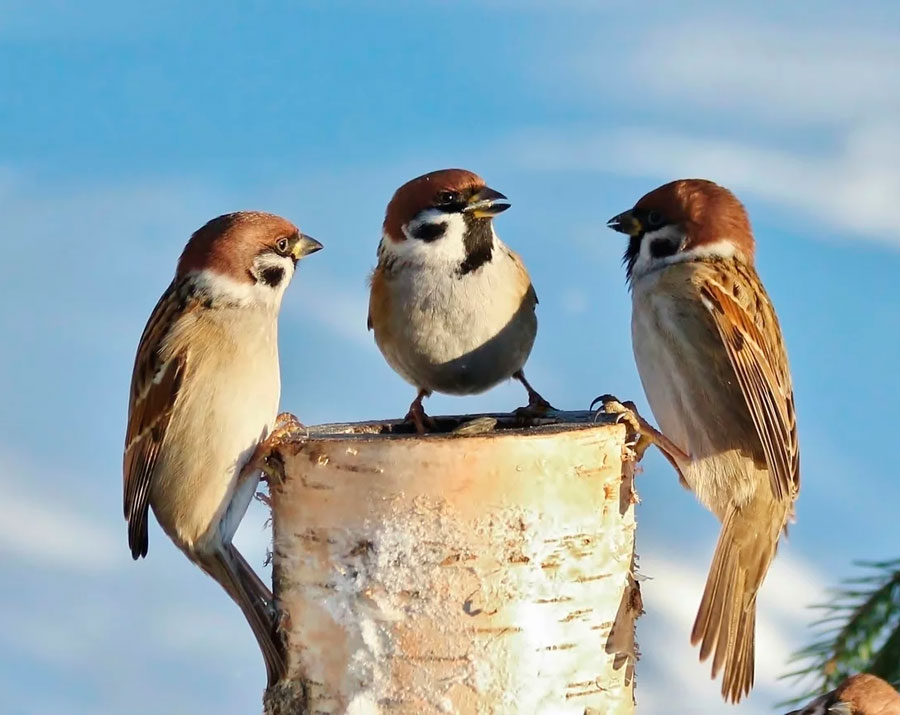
<point>713,365</point>
<point>452,308</point>
<point>204,398</point>
<point>860,694</point>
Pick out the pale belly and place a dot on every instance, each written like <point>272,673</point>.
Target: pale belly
<point>459,336</point>
<point>694,396</point>
<point>215,427</point>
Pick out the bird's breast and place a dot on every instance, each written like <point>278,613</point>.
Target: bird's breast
<point>458,333</point>
<point>691,387</point>
<point>228,403</point>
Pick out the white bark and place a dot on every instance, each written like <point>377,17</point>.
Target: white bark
<point>488,573</point>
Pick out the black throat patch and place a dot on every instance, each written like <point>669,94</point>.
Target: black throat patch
<point>631,255</point>
<point>478,242</point>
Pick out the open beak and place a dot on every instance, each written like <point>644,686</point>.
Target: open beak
<point>304,246</point>
<point>626,222</point>
<point>486,203</point>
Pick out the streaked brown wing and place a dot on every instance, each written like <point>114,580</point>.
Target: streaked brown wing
<point>379,296</point>
<point>155,383</point>
<point>746,322</point>
<point>531,293</point>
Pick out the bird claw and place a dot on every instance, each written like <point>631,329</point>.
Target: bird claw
<point>421,421</point>
<point>287,424</point>
<point>625,412</point>
<point>642,434</point>
<point>537,406</point>
<point>266,458</point>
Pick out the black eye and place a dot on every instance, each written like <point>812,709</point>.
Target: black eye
<point>654,218</point>
<point>447,197</point>
<point>283,246</point>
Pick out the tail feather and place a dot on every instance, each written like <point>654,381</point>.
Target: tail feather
<point>247,590</point>
<point>726,620</point>
<point>725,643</point>
<point>738,677</point>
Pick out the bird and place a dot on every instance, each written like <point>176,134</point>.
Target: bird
<point>202,409</point>
<point>712,361</point>
<point>860,694</point>
<point>452,308</point>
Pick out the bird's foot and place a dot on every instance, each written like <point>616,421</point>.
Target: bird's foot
<point>285,425</point>
<point>417,416</point>
<point>641,433</point>
<point>537,406</point>
<point>266,457</point>
<point>421,421</point>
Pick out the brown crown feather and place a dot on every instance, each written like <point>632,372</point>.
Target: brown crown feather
<point>228,244</point>
<point>707,212</point>
<point>420,193</point>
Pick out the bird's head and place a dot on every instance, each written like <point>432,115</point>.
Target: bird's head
<point>246,257</point>
<point>684,220</point>
<point>443,217</point>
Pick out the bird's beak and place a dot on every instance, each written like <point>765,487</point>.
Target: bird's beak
<point>486,203</point>
<point>626,222</point>
<point>304,246</point>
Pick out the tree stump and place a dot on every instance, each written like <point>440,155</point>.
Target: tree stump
<point>484,570</point>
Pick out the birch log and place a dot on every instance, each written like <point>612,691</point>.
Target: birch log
<point>486,572</point>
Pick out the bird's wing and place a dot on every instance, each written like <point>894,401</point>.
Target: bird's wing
<point>746,322</point>
<point>531,293</point>
<point>155,386</point>
<point>378,295</point>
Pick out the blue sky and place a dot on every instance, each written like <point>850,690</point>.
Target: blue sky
<point>124,128</point>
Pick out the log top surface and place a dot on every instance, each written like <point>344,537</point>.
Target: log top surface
<point>462,426</point>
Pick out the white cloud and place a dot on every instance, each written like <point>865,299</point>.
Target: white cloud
<point>671,596</point>
<point>334,304</point>
<point>37,528</point>
<point>829,93</point>
<point>853,189</point>
<point>806,75</point>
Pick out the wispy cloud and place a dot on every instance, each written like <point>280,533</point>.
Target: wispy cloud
<point>853,189</point>
<point>805,75</point>
<point>671,599</point>
<point>803,119</point>
<point>37,528</point>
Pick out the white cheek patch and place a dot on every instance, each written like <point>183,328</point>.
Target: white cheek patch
<point>646,262</point>
<point>245,293</point>
<point>448,249</point>
<point>270,286</point>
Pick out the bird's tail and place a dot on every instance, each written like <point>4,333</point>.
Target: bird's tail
<point>726,620</point>
<point>247,590</point>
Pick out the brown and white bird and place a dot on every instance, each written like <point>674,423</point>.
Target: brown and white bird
<point>452,308</point>
<point>713,365</point>
<point>204,398</point>
<point>860,694</point>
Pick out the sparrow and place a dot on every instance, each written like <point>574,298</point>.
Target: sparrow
<point>860,694</point>
<point>451,306</point>
<point>203,402</point>
<point>713,365</point>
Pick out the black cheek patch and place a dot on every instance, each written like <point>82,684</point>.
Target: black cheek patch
<point>662,247</point>
<point>272,275</point>
<point>429,232</point>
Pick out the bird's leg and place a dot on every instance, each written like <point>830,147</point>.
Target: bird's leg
<point>537,405</point>
<point>417,415</point>
<point>264,456</point>
<point>643,432</point>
